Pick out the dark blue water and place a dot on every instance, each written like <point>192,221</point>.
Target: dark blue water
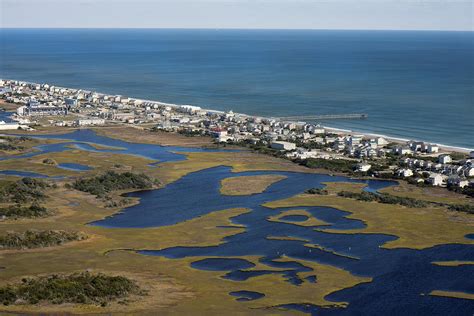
<point>294,218</point>
<point>412,84</point>
<point>82,139</point>
<point>222,264</point>
<point>74,166</point>
<point>247,295</point>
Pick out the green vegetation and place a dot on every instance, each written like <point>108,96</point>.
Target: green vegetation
<point>38,239</point>
<point>190,132</point>
<point>337,165</point>
<point>50,161</point>
<point>310,145</point>
<point>12,143</point>
<point>111,181</point>
<point>466,208</point>
<point>469,191</point>
<point>458,156</point>
<point>24,190</point>
<point>17,211</point>
<point>10,147</point>
<point>79,288</point>
<point>317,191</point>
<point>383,198</point>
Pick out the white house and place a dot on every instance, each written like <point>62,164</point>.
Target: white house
<point>405,172</point>
<point>363,167</point>
<point>444,159</point>
<point>402,150</point>
<point>458,182</point>
<point>432,148</point>
<point>381,141</point>
<point>469,172</point>
<point>88,122</point>
<point>283,145</point>
<point>436,179</point>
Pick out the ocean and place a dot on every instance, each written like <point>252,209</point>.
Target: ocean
<point>412,84</point>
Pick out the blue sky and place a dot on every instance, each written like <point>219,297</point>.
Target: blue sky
<point>280,14</point>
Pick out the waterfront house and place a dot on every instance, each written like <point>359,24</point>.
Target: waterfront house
<point>405,172</point>
<point>280,145</point>
<point>363,167</point>
<point>89,122</point>
<point>415,146</point>
<point>381,141</point>
<point>436,179</point>
<point>432,148</point>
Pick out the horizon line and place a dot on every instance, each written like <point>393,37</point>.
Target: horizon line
<point>231,28</point>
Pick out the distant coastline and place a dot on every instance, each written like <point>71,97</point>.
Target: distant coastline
<point>329,128</point>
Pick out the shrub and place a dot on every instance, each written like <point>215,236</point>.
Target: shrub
<point>383,198</point>
<point>17,211</point>
<point>462,208</point>
<point>317,191</point>
<point>80,288</point>
<point>336,165</point>
<point>111,181</point>
<point>24,190</point>
<point>38,239</point>
<point>49,161</point>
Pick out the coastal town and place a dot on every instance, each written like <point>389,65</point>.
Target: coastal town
<point>418,162</point>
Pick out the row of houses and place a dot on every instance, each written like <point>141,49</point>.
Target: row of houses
<point>299,140</point>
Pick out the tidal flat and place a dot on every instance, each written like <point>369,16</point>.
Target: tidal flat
<point>191,247</point>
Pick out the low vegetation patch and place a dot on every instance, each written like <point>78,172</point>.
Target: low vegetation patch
<point>49,161</point>
<point>462,208</point>
<point>317,191</point>
<point>336,165</point>
<point>12,143</point>
<point>110,181</point>
<point>383,198</point>
<point>17,211</point>
<point>24,190</point>
<point>38,239</point>
<point>78,288</point>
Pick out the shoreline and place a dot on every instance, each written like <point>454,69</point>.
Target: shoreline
<point>400,140</point>
<point>395,139</point>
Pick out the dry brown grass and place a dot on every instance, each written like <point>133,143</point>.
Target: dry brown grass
<point>247,185</point>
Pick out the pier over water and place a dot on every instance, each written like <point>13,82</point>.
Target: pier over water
<point>354,116</point>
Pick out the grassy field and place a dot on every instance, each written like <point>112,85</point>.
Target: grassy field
<point>431,194</point>
<point>247,185</point>
<point>139,134</point>
<point>459,295</point>
<point>452,263</point>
